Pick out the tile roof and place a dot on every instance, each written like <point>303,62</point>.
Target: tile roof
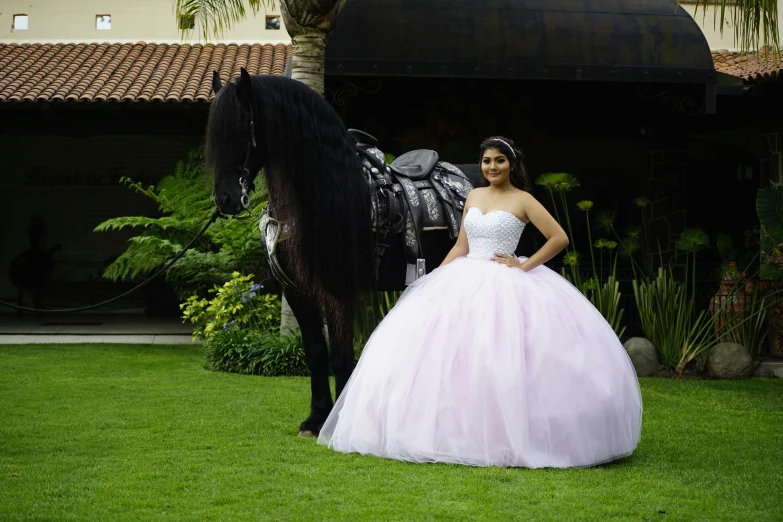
<point>140,72</point>
<point>748,66</point>
<point>144,72</point>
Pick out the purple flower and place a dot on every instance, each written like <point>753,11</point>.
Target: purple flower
<point>256,287</point>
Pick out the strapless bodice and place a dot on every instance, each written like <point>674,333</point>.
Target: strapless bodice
<point>495,231</point>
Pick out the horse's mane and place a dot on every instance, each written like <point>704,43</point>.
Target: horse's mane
<point>310,162</point>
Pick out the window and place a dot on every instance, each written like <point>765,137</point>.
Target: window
<point>20,22</point>
<point>273,22</point>
<point>187,22</point>
<point>103,22</point>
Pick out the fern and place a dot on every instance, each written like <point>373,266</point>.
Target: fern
<point>184,200</point>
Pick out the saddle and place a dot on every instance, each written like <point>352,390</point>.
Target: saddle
<point>416,193</point>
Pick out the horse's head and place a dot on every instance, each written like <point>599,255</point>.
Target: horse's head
<point>232,143</point>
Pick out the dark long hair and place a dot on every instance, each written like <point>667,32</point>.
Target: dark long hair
<point>518,173</point>
<point>313,176</point>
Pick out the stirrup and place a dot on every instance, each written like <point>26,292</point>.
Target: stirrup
<point>415,272</point>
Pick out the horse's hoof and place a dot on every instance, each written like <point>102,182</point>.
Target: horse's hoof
<point>306,433</point>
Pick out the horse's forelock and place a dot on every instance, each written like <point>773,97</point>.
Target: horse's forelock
<point>223,126</point>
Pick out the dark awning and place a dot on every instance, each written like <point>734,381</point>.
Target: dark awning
<point>601,40</point>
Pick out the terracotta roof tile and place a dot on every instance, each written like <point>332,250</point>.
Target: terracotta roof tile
<point>145,72</point>
<point>127,72</point>
<point>748,66</point>
<point>61,72</point>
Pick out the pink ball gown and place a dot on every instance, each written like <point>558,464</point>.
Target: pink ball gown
<point>486,365</point>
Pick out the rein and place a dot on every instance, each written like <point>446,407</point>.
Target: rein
<point>215,215</point>
<point>244,183</point>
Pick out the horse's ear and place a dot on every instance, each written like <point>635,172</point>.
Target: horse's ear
<point>216,85</point>
<point>245,86</point>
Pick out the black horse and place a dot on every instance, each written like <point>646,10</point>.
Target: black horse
<point>336,224</point>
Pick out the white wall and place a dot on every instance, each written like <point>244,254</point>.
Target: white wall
<point>711,25</point>
<point>65,21</point>
<point>73,21</point>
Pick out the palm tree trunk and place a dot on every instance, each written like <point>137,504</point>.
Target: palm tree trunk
<point>307,66</point>
<point>309,57</point>
<point>308,28</point>
<point>288,321</point>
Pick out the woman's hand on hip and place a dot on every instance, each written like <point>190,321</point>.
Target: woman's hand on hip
<point>505,259</point>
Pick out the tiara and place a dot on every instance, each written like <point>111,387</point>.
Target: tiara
<point>513,153</point>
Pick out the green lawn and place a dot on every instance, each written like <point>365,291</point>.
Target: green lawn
<point>103,432</point>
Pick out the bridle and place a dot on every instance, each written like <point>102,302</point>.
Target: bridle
<point>271,229</point>
<point>246,178</point>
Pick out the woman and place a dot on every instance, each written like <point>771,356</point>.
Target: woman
<point>492,360</point>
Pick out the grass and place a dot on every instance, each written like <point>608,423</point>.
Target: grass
<point>105,432</point>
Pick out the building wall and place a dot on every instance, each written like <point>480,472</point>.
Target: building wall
<point>709,21</point>
<point>154,21</point>
<point>73,21</point>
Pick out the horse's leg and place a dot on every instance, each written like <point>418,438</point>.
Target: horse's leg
<point>310,320</point>
<point>339,319</point>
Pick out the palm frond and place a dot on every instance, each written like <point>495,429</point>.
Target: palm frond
<point>211,18</point>
<point>755,22</point>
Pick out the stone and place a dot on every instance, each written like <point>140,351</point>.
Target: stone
<point>767,368</point>
<point>764,373</point>
<point>643,356</point>
<point>729,361</point>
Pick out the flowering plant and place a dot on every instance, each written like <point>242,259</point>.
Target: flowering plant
<point>237,304</point>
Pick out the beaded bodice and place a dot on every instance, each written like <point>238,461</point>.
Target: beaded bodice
<point>495,231</point>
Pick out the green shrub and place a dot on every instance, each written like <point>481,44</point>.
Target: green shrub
<point>670,322</point>
<point>237,303</point>
<point>284,355</point>
<point>240,326</point>
<point>235,350</point>
<point>257,353</point>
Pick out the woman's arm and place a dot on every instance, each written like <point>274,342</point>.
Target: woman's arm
<point>460,248</point>
<point>556,237</point>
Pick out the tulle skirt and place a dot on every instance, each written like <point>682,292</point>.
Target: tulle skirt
<point>486,365</point>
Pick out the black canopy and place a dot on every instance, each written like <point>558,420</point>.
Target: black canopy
<point>600,40</point>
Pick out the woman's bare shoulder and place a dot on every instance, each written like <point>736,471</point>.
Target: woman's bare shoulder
<point>476,193</point>
<point>524,201</point>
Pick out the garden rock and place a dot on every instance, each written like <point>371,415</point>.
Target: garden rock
<point>729,361</point>
<point>643,356</point>
<point>764,373</point>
